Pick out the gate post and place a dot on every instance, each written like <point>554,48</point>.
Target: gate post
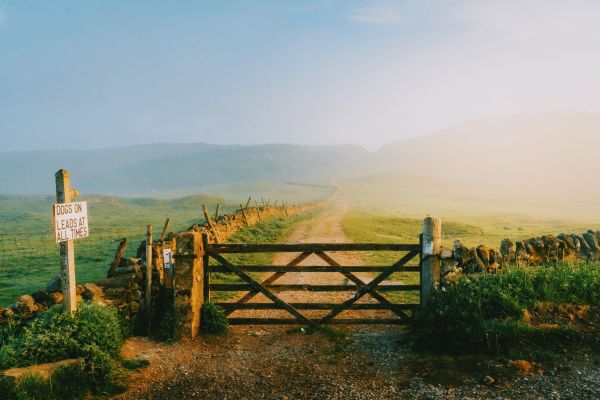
<point>430,268</point>
<point>188,283</point>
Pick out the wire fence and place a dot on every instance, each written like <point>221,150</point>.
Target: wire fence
<point>28,261</point>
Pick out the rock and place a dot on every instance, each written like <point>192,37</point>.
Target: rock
<point>127,269</point>
<point>54,285</point>
<point>522,366</point>
<point>79,289</point>
<point>507,252</point>
<point>593,245</point>
<point>115,293</point>
<point>120,281</point>
<point>95,290</point>
<point>42,370</point>
<point>27,299</point>
<point>135,294</point>
<point>43,298</point>
<point>446,254</point>
<point>57,297</point>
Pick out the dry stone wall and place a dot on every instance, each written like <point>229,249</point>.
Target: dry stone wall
<point>124,285</point>
<point>530,252</point>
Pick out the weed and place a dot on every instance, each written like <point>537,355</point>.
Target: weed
<point>214,320</point>
<point>135,364</point>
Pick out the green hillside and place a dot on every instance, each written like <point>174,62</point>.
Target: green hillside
<point>29,257</point>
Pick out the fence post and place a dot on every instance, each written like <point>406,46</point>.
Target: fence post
<point>188,283</point>
<point>149,280</point>
<point>64,194</point>
<point>432,243</point>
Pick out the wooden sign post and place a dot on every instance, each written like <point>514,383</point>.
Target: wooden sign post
<point>148,299</point>
<point>64,194</point>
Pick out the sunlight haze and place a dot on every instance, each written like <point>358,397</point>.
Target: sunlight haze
<point>84,75</point>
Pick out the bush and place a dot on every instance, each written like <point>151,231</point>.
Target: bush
<point>55,335</point>
<point>93,334</point>
<point>487,310</point>
<point>214,320</point>
<point>70,382</point>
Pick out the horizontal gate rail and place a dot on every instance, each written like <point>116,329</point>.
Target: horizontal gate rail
<point>353,283</point>
<point>242,287</point>
<point>315,306</point>
<point>289,321</point>
<point>310,247</point>
<point>309,268</point>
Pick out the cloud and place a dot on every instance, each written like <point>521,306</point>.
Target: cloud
<point>379,13</point>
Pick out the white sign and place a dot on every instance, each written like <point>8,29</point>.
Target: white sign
<point>167,258</point>
<point>70,221</point>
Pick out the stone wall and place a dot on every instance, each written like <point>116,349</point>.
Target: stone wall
<point>530,252</point>
<point>124,285</point>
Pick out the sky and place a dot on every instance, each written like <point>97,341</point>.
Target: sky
<point>96,74</point>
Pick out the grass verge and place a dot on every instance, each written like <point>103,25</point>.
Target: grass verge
<point>516,309</point>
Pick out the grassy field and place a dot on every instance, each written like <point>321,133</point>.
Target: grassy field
<point>29,257</point>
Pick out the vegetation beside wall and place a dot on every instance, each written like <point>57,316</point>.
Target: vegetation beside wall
<point>517,308</point>
<point>93,336</point>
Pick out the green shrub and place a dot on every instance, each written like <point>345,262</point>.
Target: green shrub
<point>99,326</point>
<point>9,356</point>
<point>49,337</point>
<point>34,387</point>
<point>55,335</point>
<point>70,382</point>
<point>486,310</point>
<point>214,320</point>
<point>135,364</point>
<point>8,389</point>
<point>98,366</point>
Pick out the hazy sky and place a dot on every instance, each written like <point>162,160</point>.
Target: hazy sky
<point>77,74</point>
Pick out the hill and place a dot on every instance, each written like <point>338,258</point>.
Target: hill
<point>158,169</point>
<point>553,153</point>
<point>551,150</point>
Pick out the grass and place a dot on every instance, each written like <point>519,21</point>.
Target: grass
<point>29,257</point>
<point>494,312</point>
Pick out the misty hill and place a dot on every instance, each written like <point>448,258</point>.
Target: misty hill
<point>512,154</point>
<point>158,168</point>
<point>558,150</point>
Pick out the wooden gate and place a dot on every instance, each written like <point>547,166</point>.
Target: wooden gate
<point>270,289</point>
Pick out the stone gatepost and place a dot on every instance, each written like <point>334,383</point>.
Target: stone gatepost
<point>188,284</point>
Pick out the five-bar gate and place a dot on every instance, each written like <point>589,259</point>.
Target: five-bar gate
<point>270,289</point>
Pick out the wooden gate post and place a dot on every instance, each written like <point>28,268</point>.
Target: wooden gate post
<point>64,194</point>
<point>188,282</point>
<point>432,244</point>
<point>148,300</point>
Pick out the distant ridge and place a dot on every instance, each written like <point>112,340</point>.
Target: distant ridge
<point>554,150</point>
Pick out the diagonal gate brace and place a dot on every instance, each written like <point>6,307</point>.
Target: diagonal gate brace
<point>360,283</point>
<point>260,288</point>
<point>368,287</point>
<point>271,279</point>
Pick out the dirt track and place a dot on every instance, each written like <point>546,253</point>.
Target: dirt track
<point>356,362</point>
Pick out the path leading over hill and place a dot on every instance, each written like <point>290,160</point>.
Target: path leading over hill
<point>352,362</point>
